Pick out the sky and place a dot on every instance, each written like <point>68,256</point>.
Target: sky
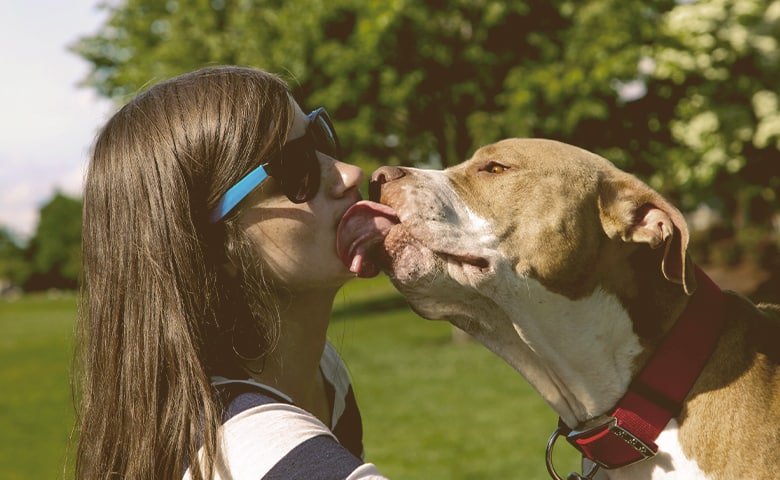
<point>47,122</point>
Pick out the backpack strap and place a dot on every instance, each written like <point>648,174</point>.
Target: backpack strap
<point>236,397</point>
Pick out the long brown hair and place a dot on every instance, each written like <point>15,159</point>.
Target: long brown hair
<point>159,311</point>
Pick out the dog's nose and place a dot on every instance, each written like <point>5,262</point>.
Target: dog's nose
<point>381,176</point>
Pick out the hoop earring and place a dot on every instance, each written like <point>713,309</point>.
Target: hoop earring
<point>248,346</point>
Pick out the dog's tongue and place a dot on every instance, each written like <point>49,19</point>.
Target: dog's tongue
<point>363,226</point>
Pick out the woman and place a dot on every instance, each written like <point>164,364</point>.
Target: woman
<point>209,270</point>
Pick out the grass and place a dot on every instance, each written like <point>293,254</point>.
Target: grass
<point>36,413</point>
<point>431,408</point>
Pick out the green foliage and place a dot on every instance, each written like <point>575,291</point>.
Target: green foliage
<point>13,267</point>
<point>54,251</point>
<point>403,77</point>
<point>724,56</point>
<point>684,94</point>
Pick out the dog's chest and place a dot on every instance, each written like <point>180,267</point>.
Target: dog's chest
<point>669,464</point>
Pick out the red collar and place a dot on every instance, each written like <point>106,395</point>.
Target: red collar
<point>656,395</point>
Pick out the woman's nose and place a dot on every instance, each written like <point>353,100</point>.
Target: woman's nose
<point>350,176</point>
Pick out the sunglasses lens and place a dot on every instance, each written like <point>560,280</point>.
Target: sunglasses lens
<point>300,176</point>
<point>296,167</point>
<point>324,135</point>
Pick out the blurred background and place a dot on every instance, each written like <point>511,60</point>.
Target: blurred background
<point>684,94</point>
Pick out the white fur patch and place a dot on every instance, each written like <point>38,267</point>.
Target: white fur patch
<point>588,343</point>
<point>476,222</point>
<point>583,348</point>
<point>669,464</point>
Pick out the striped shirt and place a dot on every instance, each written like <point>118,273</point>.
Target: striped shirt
<point>265,436</point>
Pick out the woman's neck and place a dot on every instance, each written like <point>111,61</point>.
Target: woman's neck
<point>293,366</point>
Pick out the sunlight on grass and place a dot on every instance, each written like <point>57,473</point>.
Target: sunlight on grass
<point>431,408</point>
<point>36,413</point>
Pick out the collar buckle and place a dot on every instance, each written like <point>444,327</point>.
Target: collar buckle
<point>582,438</point>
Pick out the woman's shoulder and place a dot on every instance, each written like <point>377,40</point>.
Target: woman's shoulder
<point>278,440</point>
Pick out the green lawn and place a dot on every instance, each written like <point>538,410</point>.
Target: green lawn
<point>36,416</point>
<point>431,408</point>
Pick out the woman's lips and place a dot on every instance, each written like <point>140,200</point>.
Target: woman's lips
<point>363,226</point>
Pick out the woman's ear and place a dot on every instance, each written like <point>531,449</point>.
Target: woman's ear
<point>635,213</point>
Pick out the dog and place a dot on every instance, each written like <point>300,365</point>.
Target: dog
<point>577,274</point>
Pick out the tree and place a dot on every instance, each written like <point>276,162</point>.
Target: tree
<point>54,251</point>
<point>403,78</point>
<point>684,94</point>
<point>725,54</point>
<point>13,267</point>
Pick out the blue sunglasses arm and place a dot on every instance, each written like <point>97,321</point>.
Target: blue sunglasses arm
<point>238,192</point>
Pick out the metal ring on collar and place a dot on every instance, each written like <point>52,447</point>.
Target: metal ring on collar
<point>551,467</point>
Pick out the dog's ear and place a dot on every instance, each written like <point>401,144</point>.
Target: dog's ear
<point>634,212</point>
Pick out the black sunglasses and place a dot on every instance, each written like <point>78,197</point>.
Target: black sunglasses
<point>295,166</point>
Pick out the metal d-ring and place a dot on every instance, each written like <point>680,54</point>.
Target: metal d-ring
<point>551,468</point>
<point>548,455</point>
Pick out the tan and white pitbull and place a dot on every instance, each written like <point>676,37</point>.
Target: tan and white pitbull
<point>573,272</point>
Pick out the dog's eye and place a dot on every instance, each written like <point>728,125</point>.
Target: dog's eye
<point>494,167</point>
